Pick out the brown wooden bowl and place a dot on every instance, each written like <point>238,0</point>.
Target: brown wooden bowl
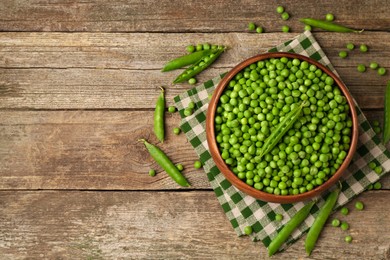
<point>241,185</point>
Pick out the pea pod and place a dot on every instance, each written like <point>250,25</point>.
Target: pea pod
<point>320,220</point>
<point>290,226</point>
<point>162,159</point>
<point>159,110</point>
<point>328,26</point>
<point>199,66</point>
<point>186,60</point>
<point>386,120</point>
<point>281,129</point>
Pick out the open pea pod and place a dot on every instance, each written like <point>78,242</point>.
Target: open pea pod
<point>200,65</point>
<point>185,60</point>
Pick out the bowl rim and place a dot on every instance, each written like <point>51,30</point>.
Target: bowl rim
<point>231,177</point>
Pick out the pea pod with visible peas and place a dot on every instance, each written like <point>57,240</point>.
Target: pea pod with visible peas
<point>386,120</point>
<point>281,129</point>
<point>162,159</point>
<point>290,226</point>
<point>199,66</point>
<point>186,60</point>
<point>320,220</point>
<point>328,26</point>
<point>159,110</point>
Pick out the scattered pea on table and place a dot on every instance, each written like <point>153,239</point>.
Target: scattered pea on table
<point>335,222</point>
<point>180,166</point>
<point>363,48</point>
<point>192,81</point>
<point>350,46</point>
<point>248,230</point>
<point>378,169</point>
<point>381,71</point>
<point>278,217</point>
<point>251,26</point>
<point>176,130</point>
<point>348,239</point>
<point>344,211</point>
<point>285,16</point>
<point>359,205</point>
<point>152,172</point>
<point>329,17</point>
<point>197,165</point>
<point>377,185</point>
<point>307,28</point>
<point>361,68</point>
<point>171,109</point>
<point>285,28</point>
<point>188,111</point>
<point>190,48</point>
<point>373,65</point>
<point>343,54</point>
<point>372,165</point>
<point>259,29</point>
<point>344,225</point>
<point>280,9</point>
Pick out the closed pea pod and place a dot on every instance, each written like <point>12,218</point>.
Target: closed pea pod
<point>320,220</point>
<point>290,226</point>
<point>386,120</point>
<point>185,60</point>
<point>200,65</point>
<point>159,128</point>
<point>162,159</point>
<point>328,26</point>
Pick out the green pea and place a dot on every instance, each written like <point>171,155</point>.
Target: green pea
<point>248,230</point>
<point>344,211</point>
<point>176,130</point>
<point>251,26</point>
<point>361,68</point>
<point>280,9</point>
<point>350,46</point>
<point>344,225</point>
<point>359,205</point>
<point>171,109</point>
<point>259,29</point>
<point>335,222</point>
<point>192,81</point>
<point>374,65</point>
<point>363,48</point>
<point>329,17</point>
<point>278,217</point>
<point>348,239</point>
<point>343,54</point>
<point>285,28</point>
<point>381,71</point>
<point>152,172</point>
<point>285,16</point>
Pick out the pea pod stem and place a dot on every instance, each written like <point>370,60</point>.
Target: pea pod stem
<point>320,220</point>
<point>162,159</point>
<point>199,66</point>
<point>281,129</point>
<point>186,60</point>
<point>386,119</point>
<point>159,126</point>
<point>328,26</point>
<point>290,226</point>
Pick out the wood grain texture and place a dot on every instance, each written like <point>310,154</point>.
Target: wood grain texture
<point>164,225</point>
<point>179,16</point>
<point>111,71</point>
<point>91,150</point>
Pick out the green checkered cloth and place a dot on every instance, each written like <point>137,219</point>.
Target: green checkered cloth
<point>243,210</point>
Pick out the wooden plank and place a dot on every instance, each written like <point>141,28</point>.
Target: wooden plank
<point>164,225</point>
<point>92,150</point>
<point>94,70</point>
<point>179,16</point>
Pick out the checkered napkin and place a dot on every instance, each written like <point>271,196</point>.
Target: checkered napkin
<point>243,210</point>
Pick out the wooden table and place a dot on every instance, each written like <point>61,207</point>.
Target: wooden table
<point>78,83</point>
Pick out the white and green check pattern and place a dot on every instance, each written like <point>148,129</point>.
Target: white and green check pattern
<point>243,210</point>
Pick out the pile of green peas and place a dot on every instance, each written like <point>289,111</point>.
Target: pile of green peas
<point>256,100</point>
